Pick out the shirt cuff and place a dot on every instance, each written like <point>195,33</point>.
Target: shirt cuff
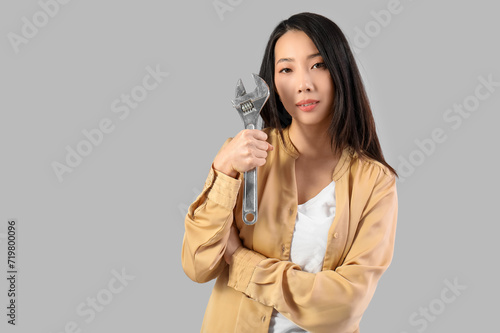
<point>224,189</point>
<point>241,270</point>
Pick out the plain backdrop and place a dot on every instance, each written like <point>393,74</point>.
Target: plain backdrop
<point>121,208</point>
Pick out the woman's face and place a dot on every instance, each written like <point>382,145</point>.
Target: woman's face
<point>302,80</point>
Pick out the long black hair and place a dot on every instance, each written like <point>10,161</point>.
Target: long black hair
<point>352,122</point>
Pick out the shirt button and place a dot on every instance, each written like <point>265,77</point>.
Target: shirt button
<point>283,248</point>
<point>291,211</point>
<point>336,235</point>
<point>263,318</point>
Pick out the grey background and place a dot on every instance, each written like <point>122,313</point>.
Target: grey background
<point>124,205</point>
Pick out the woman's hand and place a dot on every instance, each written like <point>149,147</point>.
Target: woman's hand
<point>247,150</point>
<point>233,243</point>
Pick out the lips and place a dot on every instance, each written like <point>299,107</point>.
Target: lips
<point>307,102</point>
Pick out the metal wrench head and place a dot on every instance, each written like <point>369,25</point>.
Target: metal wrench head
<point>249,105</point>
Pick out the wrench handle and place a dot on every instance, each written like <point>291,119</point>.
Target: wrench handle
<point>250,197</point>
<point>250,192</point>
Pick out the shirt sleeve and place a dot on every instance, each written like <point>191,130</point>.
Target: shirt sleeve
<point>207,226</point>
<point>330,300</point>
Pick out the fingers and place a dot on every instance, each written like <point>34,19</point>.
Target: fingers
<point>262,149</point>
<point>260,154</point>
<point>259,134</point>
<point>249,149</point>
<point>262,145</point>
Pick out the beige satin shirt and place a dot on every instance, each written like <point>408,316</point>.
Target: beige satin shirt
<point>359,249</point>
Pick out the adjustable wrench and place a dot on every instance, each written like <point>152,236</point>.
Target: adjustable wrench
<point>249,106</point>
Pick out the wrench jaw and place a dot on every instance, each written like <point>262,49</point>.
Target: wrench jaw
<point>249,105</point>
<point>240,89</point>
<point>259,95</point>
<point>261,91</point>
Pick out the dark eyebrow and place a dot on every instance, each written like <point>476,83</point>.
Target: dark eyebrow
<point>291,59</point>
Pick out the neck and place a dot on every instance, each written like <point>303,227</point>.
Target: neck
<point>312,142</point>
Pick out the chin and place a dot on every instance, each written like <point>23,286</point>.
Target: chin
<point>311,117</point>
<point>311,122</point>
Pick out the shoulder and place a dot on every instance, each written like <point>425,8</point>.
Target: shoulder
<point>371,180</point>
<point>365,167</point>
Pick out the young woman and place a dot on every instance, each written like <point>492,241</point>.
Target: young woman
<point>327,198</point>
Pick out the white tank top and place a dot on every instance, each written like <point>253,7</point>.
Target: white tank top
<point>308,247</point>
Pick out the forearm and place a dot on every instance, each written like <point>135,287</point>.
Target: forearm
<point>332,300</point>
<point>318,302</point>
<point>207,227</point>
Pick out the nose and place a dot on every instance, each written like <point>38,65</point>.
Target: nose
<point>304,83</point>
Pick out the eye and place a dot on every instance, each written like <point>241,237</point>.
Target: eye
<point>319,65</point>
<point>285,70</point>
